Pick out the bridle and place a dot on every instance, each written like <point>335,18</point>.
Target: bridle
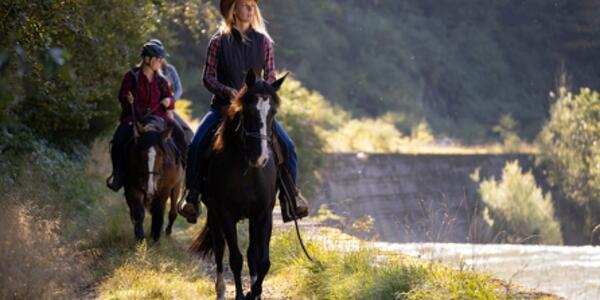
<point>253,134</point>
<point>244,133</point>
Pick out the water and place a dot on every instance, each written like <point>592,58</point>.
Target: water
<point>570,272</point>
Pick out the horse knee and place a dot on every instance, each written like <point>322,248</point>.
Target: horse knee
<point>235,261</point>
<point>264,266</point>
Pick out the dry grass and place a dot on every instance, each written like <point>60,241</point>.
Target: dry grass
<point>416,148</point>
<point>34,262</point>
<point>155,273</point>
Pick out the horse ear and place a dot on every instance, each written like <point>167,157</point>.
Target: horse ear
<point>250,78</point>
<point>166,133</point>
<point>277,84</point>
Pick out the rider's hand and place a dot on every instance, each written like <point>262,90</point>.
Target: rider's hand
<point>165,102</point>
<point>231,93</point>
<point>130,97</point>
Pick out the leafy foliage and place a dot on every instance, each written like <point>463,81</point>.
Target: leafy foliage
<point>518,208</point>
<point>570,149</point>
<point>446,62</point>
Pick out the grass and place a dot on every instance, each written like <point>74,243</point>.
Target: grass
<point>87,231</point>
<point>157,273</point>
<point>369,273</point>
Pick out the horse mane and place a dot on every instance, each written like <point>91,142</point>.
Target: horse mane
<point>236,106</point>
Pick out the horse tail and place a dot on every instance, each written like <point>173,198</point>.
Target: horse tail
<point>203,243</point>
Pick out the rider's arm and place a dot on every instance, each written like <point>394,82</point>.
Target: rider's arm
<point>126,86</point>
<point>269,64</point>
<point>210,68</point>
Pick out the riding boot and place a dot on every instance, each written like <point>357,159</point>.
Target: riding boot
<point>180,142</point>
<point>117,152</point>
<point>296,212</point>
<point>190,207</point>
<point>290,210</point>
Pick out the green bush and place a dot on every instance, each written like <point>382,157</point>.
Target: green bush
<point>368,135</point>
<point>570,150</point>
<point>65,61</point>
<point>431,60</point>
<point>517,209</point>
<point>306,115</point>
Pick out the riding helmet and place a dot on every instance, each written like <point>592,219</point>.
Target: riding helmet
<point>153,49</point>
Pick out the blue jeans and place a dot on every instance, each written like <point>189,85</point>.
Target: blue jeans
<point>203,139</point>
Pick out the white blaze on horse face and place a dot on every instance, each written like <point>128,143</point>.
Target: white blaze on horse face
<point>151,160</point>
<point>263,106</point>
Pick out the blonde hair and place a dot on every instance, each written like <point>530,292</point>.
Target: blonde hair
<point>258,23</point>
<point>146,60</point>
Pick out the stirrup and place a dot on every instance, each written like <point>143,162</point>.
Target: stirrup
<point>293,210</point>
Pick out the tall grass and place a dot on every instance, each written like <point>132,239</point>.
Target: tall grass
<point>36,261</point>
<point>157,273</point>
<point>372,274</point>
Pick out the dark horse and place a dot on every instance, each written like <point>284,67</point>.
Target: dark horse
<point>242,184</point>
<point>154,173</point>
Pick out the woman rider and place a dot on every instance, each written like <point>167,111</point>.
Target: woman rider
<point>241,44</point>
<point>170,72</point>
<point>146,90</point>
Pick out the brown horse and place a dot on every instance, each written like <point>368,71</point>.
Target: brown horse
<point>154,173</point>
<point>242,184</point>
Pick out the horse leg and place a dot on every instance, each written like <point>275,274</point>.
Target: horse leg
<point>252,252</point>
<point>158,211</point>
<point>173,209</point>
<point>264,227</point>
<point>219,250</point>
<point>136,212</point>
<point>235,256</point>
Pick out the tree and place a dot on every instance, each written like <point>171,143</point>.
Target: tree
<point>570,150</point>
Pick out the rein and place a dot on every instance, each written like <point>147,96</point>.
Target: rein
<point>287,198</point>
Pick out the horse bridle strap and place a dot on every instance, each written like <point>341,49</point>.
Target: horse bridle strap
<point>258,135</point>
<point>150,173</point>
<point>252,134</point>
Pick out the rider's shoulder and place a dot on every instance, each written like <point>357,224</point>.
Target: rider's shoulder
<point>132,72</point>
<point>216,36</point>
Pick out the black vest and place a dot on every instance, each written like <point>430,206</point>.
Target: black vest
<point>236,57</point>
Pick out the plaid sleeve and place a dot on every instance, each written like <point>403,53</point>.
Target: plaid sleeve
<point>210,68</point>
<point>269,64</point>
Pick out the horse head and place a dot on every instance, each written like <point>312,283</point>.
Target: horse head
<point>150,153</point>
<point>252,113</point>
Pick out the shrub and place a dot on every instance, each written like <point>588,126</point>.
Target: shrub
<point>35,262</point>
<point>517,207</point>
<point>570,150</point>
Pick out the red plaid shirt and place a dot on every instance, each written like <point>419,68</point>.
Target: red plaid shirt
<point>147,97</point>
<point>210,68</point>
